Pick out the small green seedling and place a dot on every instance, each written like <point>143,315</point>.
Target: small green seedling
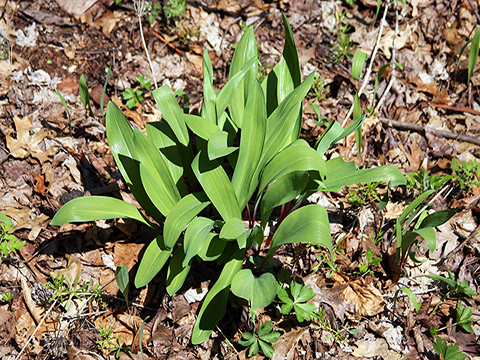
<point>366,267</point>
<point>62,100</point>
<point>261,340</point>
<point>175,8</point>
<point>473,55</point>
<point>319,89</point>
<point>9,244</point>
<point>456,286</point>
<point>154,12</point>
<point>7,297</point>
<point>467,173</point>
<point>134,96</point>
<point>363,194</point>
<point>296,298</point>
<point>85,95</point>
<point>106,334</point>
<point>422,181</point>
<point>464,317</point>
<point>448,352</point>
<point>118,347</point>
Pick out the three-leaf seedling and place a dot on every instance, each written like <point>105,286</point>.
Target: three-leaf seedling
<point>261,340</point>
<point>134,96</point>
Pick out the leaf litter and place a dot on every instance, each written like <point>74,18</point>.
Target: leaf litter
<point>42,165</point>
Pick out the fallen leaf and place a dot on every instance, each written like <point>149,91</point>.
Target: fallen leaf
<point>72,271</point>
<point>287,343</point>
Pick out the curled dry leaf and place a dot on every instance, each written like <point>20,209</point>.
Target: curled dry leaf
<point>72,271</point>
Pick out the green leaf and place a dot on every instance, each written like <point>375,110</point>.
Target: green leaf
<point>270,337</point>
<point>232,229</point>
<point>5,219</point>
<point>259,291</point>
<point>247,339</point>
<point>213,248</point>
<point>102,97</point>
<point>215,303</point>
<point>283,190</point>
<point>200,126</point>
<point>180,216</point>
<point>196,237</point>
<point>357,113</point>
<point>91,208</point>
<point>245,50</point>
<point>410,295</point>
<point>152,262</point>
<point>254,349</point>
<point>217,186</point>
<point>171,112</point>
<point>208,106</point>
<point>449,282</point>
<point>358,62</point>
<point>464,317</point>
<point>299,156</point>
<point>473,55</point>
<point>267,349</point>
<point>307,224</point>
<point>245,179</point>
<point>290,54</point>
<point>448,352</point>
<point>217,146</point>
<point>121,275</point>
<point>341,173</point>
<point>85,95</point>
<point>437,218</point>
<point>177,273</point>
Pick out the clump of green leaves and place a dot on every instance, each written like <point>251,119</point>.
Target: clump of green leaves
<point>203,192</point>
<point>319,89</point>
<point>448,352</point>
<point>260,340</point>
<point>134,96</point>
<point>422,181</point>
<point>108,341</point>
<point>9,244</point>
<point>339,333</point>
<point>343,46</point>
<point>363,193</point>
<point>365,268</point>
<point>467,173</point>
<point>175,8</point>
<point>295,298</point>
<point>7,297</point>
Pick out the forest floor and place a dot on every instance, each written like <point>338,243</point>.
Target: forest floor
<point>424,116</point>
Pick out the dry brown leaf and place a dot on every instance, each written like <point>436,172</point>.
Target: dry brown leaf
<point>7,326</point>
<point>72,271</point>
<point>23,219</point>
<point>131,321</point>
<point>25,145</point>
<point>287,343</point>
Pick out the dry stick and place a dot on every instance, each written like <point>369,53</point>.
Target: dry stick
<point>402,125</point>
<point>392,78</point>
<point>370,66</point>
<point>140,9</point>
<point>474,10</point>
<point>459,247</point>
<point>36,329</point>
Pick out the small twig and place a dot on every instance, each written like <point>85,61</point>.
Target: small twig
<point>167,43</point>
<point>140,9</point>
<point>459,247</point>
<point>36,329</point>
<point>474,10</point>
<point>402,125</point>
<point>370,66</point>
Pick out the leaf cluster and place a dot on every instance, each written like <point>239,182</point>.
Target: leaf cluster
<point>261,340</point>
<point>295,298</point>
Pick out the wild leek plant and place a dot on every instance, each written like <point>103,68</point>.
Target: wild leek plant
<point>206,180</point>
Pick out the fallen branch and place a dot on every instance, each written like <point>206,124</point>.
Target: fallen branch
<point>402,125</point>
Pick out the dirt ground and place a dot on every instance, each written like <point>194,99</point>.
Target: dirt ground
<point>424,116</point>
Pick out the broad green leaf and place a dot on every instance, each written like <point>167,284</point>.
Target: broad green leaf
<point>437,218</point>
<point>299,156</point>
<point>450,282</point>
<point>155,191</point>
<point>215,303</point>
<point>162,136</point>
<point>213,248</point>
<point>245,50</point>
<point>171,112</point>
<point>341,173</point>
<point>5,219</point>
<point>259,291</point>
<point>448,352</point>
<point>91,208</point>
<point>283,190</point>
<point>196,237</point>
<point>217,145</point>
<point>155,256</point>
<point>267,349</point>
<point>307,224</point>
<point>226,93</point>
<point>177,273</point>
<point>232,229</point>
<point>464,317</point>
<point>208,106</point>
<point>217,186</point>
<point>122,278</point>
<point>201,126</point>
<point>245,180</point>
<point>358,62</point>
<point>290,54</point>
<point>283,123</point>
<point>180,216</point>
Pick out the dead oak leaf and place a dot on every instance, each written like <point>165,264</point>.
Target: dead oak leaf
<point>25,145</point>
